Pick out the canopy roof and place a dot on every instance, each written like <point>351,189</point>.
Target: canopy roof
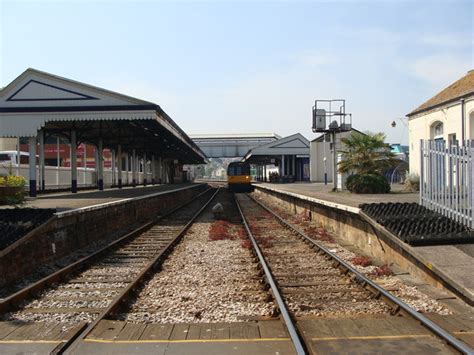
<point>295,144</point>
<point>36,100</point>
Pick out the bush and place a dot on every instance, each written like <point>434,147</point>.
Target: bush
<point>12,189</point>
<point>367,184</point>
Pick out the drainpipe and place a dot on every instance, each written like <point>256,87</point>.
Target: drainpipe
<point>462,122</point>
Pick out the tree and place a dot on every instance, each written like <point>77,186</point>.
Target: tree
<point>365,154</point>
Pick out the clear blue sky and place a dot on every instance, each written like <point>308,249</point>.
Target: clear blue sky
<point>248,66</point>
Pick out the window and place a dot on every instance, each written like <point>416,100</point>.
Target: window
<point>437,130</point>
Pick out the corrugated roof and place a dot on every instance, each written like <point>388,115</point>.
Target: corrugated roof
<point>460,88</point>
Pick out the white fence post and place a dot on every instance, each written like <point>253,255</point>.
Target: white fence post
<point>447,179</point>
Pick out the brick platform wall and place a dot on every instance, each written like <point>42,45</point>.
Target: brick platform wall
<point>70,231</point>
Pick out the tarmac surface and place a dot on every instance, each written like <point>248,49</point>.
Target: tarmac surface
<point>452,263</point>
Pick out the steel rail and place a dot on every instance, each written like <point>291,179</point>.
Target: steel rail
<point>364,280</point>
<point>74,341</point>
<point>12,302</point>
<point>290,325</point>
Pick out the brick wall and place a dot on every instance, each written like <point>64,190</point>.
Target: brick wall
<point>73,230</point>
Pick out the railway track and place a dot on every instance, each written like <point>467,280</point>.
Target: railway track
<point>95,287</point>
<point>307,281</point>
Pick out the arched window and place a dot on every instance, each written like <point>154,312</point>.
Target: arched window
<point>437,130</point>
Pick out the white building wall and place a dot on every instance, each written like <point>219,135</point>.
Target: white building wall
<point>420,127</point>
<point>318,150</point>
<point>8,143</point>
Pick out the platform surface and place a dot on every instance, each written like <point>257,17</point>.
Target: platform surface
<point>323,192</point>
<point>65,201</point>
<point>454,263</point>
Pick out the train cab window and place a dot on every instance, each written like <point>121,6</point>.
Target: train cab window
<point>235,170</point>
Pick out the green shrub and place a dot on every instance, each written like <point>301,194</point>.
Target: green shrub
<point>367,184</point>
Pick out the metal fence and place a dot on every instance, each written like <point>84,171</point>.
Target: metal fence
<point>447,179</point>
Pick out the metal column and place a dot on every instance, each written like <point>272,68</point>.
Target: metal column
<point>32,163</point>
<point>119,163</point>
<point>127,168</point>
<point>160,171</point>
<point>73,162</point>
<point>41,159</point>
<point>100,162</point>
<point>265,173</point>
<point>18,156</point>
<point>153,170</point>
<point>145,170</point>
<point>282,166</point>
<point>134,167</point>
<point>293,167</point>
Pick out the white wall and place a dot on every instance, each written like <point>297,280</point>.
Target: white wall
<point>318,150</point>
<point>419,127</point>
<point>85,177</point>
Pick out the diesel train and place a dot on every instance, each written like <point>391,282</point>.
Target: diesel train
<point>238,177</point>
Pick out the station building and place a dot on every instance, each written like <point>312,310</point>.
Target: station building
<point>141,142</point>
<point>289,154</point>
<point>448,116</point>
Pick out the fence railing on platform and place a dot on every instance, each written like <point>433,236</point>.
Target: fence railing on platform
<point>447,179</point>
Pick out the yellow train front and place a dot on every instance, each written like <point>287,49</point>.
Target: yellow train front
<point>239,178</point>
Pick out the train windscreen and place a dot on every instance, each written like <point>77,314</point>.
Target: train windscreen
<point>238,170</point>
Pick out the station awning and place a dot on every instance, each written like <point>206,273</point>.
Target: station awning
<point>37,100</point>
<point>294,145</point>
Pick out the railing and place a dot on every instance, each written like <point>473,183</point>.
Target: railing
<point>60,177</point>
<point>447,179</point>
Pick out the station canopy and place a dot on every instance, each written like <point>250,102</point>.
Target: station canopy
<point>294,145</point>
<point>37,100</point>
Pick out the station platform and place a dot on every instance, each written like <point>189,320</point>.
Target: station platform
<point>344,198</point>
<point>65,201</point>
<point>453,264</point>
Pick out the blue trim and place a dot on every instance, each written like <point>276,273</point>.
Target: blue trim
<point>84,97</point>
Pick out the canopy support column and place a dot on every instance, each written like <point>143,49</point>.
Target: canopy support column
<point>282,165</point>
<point>265,173</point>
<point>134,167</point>
<point>18,156</point>
<point>293,172</point>
<point>145,170</point>
<point>32,162</point>
<point>127,168</point>
<point>41,159</point>
<point>73,162</point>
<point>100,162</point>
<point>153,170</point>
<point>114,167</point>
<point>119,163</point>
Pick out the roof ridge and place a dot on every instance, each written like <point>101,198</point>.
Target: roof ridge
<point>462,87</point>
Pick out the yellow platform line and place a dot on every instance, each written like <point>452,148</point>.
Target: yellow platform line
<point>372,337</point>
<point>185,340</point>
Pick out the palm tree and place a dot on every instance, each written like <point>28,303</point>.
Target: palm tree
<point>365,154</point>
